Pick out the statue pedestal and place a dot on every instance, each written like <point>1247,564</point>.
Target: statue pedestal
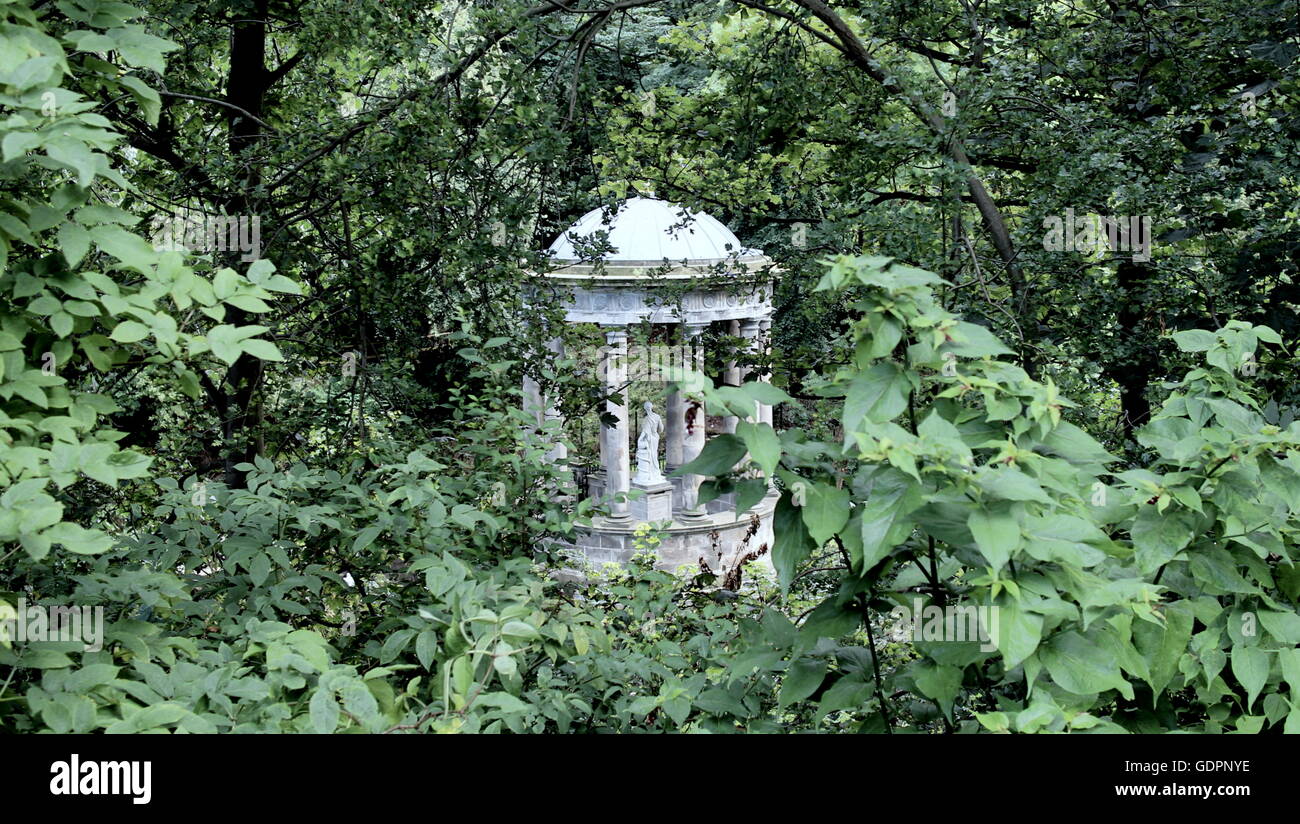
<point>655,502</point>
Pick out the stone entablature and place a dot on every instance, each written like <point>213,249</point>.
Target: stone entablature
<point>629,302</point>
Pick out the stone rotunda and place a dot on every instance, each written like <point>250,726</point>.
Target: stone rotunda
<point>655,262</point>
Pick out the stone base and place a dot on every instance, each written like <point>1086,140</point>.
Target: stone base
<point>718,538</point>
<point>596,484</point>
<point>654,504</point>
<point>678,501</point>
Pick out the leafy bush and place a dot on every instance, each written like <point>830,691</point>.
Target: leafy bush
<point>1145,599</point>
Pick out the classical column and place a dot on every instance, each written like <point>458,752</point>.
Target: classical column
<point>693,425</point>
<point>751,331</point>
<point>559,452</point>
<point>675,410</point>
<point>616,437</point>
<point>532,397</point>
<point>532,393</point>
<point>731,376</point>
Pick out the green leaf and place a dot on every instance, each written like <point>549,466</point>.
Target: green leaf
<point>763,444</point>
<point>1195,340</point>
<point>1011,484</point>
<point>359,701</point>
<point>519,629</point>
<point>394,644</point>
<point>1158,538</point>
<point>260,569</point>
<point>77,156</point>
<point>365,538</point>
<point>133,250</point>
<point>829,620</point>
<point>994,721</point>
<point>505,664</point>
<point>89,677</point>
<point>503,701</point>
<point>44,659</point>
<point>229,342</point>
<point>997,534</point>
<point>801,680</point>
<point>1082,667</point>
<point>791,543</point>
<point>939,432</point>
<point>848,693</point>
<point>139,48</point>
<point>129,331</point>
<point>74,242</point>
<point>877,395</point>
<point>939,682</point>
<point>78,539</point>
<point>974,341</point>
<point>765,393</point>
<point>17,143</point>
<point>249,303</point>
<point>885,522</point>
<point>324,711</point>
<point>62,323</point>
<point>1163,646</point>
<point>1293,721</point>
<point>1250,666</point>
<point>825,511</point>
<point>426,647</point>
<point>1075,445</point>
<point>150,102</point>
<point>720,701</point>
<point>749,491</point>
<point>718,457</point>
<point>1284,626</point>
<point>1060,538</point>
<point>1290,661</point>
<point>158,715</point>
<point>1018,632</point>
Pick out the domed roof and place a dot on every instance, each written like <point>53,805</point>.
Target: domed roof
<point>647,230</point>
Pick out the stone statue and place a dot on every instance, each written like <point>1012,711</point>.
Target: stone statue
<point>647,448</point>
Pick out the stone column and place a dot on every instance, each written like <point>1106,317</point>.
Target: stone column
<point>532,397</point>
<point>751,331</point>
<point>532,393</point>
<point>616,437</point>
<point>693,426</point>
<point>731,377</point>
<point>559,452</point>
<point>675,409</point>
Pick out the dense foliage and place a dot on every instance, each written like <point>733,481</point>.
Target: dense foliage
<point>294,476</point>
